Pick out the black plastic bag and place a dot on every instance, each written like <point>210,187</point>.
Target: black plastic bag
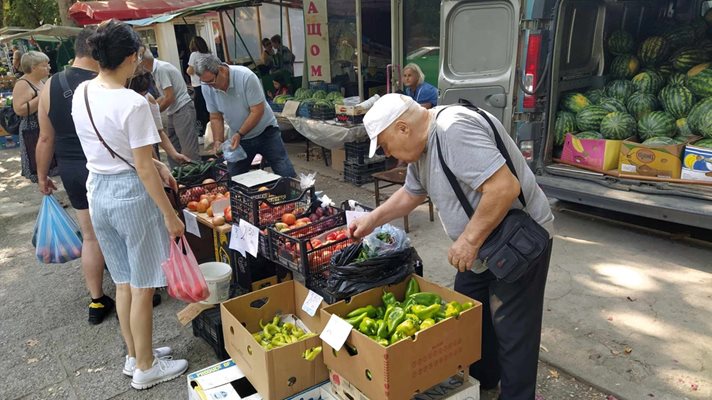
<point>348,277</point>
<point>9,120</point>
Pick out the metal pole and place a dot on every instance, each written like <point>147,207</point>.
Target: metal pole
<point>359,50</point>
<point>281,17</point>
<point>241,40</point>
<point>289,30</point>
<point>259,28</point>
<point>226,50</point>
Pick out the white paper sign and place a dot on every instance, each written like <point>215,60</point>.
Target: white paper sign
<point>336,332</point>
<point>312,303</point>
<point>290,108</point>
<point>352,216</point>
<point>219,207</point>
<point>191,223</point>
<point>251,236</point>
<point>237,241</point>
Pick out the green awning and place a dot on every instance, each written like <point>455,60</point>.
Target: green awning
<point>44,33</point>
<point>195,10</point>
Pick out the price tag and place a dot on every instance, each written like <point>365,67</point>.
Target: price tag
<point>336,332</point>
<point>219,207</point>
<point>352,216</point>
<point>191,223</point>
<point>237,241</point>
<point>290,108</point>
<point>312,303</point>
<point>251,235</point>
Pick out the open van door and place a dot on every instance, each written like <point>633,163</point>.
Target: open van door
<point>478,42</point>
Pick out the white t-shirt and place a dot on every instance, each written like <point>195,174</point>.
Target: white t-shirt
<point>155,111</point>
<point>122,117</point>
<point>194,58</point>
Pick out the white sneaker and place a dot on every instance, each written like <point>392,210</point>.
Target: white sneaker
<point>130,363</point>
<point>163,370</point>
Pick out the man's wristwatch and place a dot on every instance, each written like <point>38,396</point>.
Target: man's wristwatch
<point>241,135</point>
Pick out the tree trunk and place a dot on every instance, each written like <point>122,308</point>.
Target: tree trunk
<point>63,6</point>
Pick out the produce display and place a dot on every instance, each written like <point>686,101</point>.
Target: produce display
<point>396,320</point>
<point>659,87</point>
<point>193,172</point>
<point>276,334</point>
<point>200,199</point>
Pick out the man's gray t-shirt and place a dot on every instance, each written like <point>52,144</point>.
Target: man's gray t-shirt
<point>471,153</point>
<point>166,75</point>
<point>244,91</point>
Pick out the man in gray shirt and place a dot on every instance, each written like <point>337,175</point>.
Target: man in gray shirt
<point>175,103</point>
<point>512,312</point>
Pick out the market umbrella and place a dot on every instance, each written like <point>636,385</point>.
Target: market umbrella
<point>48,30</point>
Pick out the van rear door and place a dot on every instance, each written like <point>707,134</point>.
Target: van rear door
<point>478,42</point>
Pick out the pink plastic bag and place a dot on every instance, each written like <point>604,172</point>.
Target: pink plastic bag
<point>185,281</point>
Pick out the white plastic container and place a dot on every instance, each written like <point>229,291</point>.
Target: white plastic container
<point>217,276</point>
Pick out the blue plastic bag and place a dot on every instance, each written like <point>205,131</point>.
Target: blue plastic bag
<point>56,237</point>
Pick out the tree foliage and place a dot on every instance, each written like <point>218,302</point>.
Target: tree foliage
<point>30,13</point>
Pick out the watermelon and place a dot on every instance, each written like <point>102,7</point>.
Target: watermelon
<point>648,81</point>
<point>640,104</point>
<point>677,79</point>
<point>704,143</point>
<point>620,43</point>
<point>680,36</point>
<point>574,102</point>
<point>303,94</point>
<point>666,70</point>
<point>595,95</point>
<point>565,123</point>
<point>699,80</point>
<point>688,57</point>
<point>700,118</point>
<point>624,67</point>
<point>282,99</point>
<point>589,135</point>
<point>319,95</point>
<point>677,100</point>
<point>653,50</point>
<point>618,126</point>
<point>611,104</point>
<point>659,141</point>
<point>682,128</point>
<point>656,123</point>
<point>620,89</point>
<point>681,139</point>
<point>706,45</point>
<point>589,119</point>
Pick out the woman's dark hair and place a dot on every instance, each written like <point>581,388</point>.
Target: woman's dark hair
<point>141,82</point>
<point>265,42</point>
<point>112,43</point>
<point>279,78</point>
<point>277,39</point>
<point>198,44</point>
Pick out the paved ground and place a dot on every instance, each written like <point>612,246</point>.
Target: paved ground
<point>627,311</point>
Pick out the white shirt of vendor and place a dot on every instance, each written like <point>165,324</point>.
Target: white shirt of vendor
<point>166,75</point>
<point>470,151</point>
<point>122,117</point>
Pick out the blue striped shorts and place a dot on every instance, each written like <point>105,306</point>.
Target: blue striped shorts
<point>130,229</point>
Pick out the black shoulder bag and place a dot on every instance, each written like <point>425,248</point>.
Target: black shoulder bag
<point>518,240</point>
<point>98,135</point>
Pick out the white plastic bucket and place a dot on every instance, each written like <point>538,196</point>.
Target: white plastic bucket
<point>217,276</point>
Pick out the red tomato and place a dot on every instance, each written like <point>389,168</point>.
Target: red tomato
<point>341,236</point>
<point>331,237</point>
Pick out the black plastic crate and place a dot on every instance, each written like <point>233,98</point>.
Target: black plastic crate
<point>254,273</point>
<point>265,207</point>
<point>208,326</point>
<point>298,250</point>
<point>276,107</point>
<point>360,174</point>
<point>357,152</point>
<point>353,205</point>
<point>322,113</point>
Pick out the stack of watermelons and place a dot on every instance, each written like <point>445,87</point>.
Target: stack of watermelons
<point>659,88</point>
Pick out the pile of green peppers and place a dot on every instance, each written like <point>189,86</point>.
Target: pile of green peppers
<point>396,320</point>
<point>277,334</point>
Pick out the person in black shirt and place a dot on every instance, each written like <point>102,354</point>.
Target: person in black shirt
<point>58,137</point>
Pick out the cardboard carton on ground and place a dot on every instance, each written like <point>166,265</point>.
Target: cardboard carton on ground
<point>458,387</point>
<point>281,372</point>
<point>338,156</point>
<point>410,366</point>
<point>223,380</point>
<point>697,163</point>
<point>637,159</point>
<point>596,154</point>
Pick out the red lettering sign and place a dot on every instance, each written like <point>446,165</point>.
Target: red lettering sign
<point>312,8</point>
<point>314,29</point>
<point>316,70</point>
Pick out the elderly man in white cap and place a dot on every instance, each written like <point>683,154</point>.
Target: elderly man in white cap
<point>460,140</point>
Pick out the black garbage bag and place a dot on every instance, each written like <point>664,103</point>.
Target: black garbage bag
<point>348,277</point>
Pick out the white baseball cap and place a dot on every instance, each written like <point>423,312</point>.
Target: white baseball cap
<point>382,114</point>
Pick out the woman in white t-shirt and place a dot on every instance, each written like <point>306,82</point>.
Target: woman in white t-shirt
<point>199,50</point>
<point>129,209</point>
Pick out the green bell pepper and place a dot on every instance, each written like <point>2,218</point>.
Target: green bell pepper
<point>310,354</point>
<point>407,328</point>
<point>467,305</point>
<point>453,309</point>
<point>413,288</point>
<point>368,310</point>
<point>355,321</point>
<point>394,319</point>
<point>368,326</point>
<point>270,330</point>
<point>427,323</point>
<point>425,312</point>
<point>389,299</point>
<point>426,298</point>
<point>380,312</point>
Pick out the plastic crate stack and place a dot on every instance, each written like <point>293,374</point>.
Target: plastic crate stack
<point>208,326</point>
<point>358,167</point>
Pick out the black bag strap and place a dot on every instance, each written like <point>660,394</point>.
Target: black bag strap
<point>67,92</point>
<point>500,146</point>
<point>101,139</point>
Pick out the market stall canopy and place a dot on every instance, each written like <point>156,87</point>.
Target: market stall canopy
<point>94,12</point>
<point>215,6</point>
<point>44,33</point>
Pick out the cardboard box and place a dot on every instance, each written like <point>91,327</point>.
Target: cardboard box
<point>458,387</point>
<point>338,156</point>
<point>281,372</point>
<point>697,163</point>
<point>597,154</point>
<point>341,109</point>
<point>223,380</point>
<point>409,366</point>
<point>637,159</point>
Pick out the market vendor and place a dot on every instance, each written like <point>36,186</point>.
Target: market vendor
<point>512,312</point>
<point>233,94</point>
<point>422,92</point>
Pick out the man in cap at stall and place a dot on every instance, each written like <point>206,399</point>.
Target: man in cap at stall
<point>512,312</point>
